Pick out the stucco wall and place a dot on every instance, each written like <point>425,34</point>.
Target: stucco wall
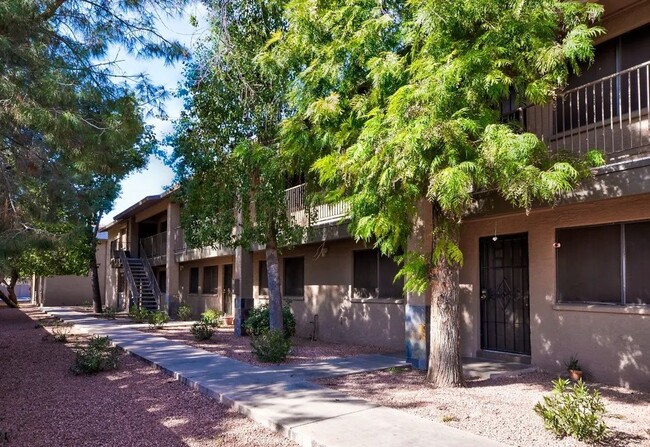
<point>202,301</point>
<point>611,342</point>
<point>328,290</point>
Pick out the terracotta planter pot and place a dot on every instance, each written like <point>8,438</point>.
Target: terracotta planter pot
<point>228,320</point>
<point>575,374</point>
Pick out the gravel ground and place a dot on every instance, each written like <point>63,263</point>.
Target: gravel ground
<point>500,409</point>
<point>42,404</point>
<point>225,343</point>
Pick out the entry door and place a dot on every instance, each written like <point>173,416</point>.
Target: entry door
<point>505,301</point>
<point>227,289</point>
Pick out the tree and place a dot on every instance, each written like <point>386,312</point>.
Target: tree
<point>226,154</point>
<point>67,119</point>
<point>396,101</point>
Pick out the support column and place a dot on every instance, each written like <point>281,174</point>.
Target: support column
<point>418,305</point>
<point>172,270</point>
<point>242,287</point>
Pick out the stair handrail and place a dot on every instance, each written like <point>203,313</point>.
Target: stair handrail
<point>152,278</point>
<point>128,275</point>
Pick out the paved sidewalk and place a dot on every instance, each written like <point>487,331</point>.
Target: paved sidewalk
<point>281,397</point>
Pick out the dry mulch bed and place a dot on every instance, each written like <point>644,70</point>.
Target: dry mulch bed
<point>500,409</point>
<point>43,404</point>
<point>224,342</point>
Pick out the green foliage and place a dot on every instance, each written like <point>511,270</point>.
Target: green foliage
<point>157,319</point>
<point>184,312</point>
<point>258,322</point>
<point>271,346</point>
<point>97,356</point>
<point>139,315</point>
<point>60,332</point>
<point>573,364</point>
<point>212,317</point>
<point>573,411</point>
<point>201,330</point>
<point>109,313</point>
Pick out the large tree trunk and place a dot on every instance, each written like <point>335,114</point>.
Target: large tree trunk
<point>10,298</point>
<point>445,362</point>
<point>94,270</point>
<point>273,272</point>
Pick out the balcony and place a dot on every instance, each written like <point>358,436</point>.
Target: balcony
<point>610,114</point>
<point>155,248</point>
<point>183,253</point>
<point>321,214</point>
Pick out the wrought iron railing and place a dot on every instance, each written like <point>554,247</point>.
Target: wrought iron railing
<point>611,114</point>
<point>320,214</point>
<point>151,276</point>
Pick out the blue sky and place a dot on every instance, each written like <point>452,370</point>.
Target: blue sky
<point>156,177</point>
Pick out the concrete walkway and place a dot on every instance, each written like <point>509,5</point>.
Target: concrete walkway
<point>281,397</point>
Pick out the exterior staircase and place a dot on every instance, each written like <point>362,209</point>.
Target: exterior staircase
<point>142,283</point>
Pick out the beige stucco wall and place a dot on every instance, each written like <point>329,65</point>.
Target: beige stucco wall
<point>611,342</point>
<point>202,301</point>
<point>328,290</point>
<point>68,290</point>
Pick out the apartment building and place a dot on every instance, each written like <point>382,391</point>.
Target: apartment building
<point>563,280</point>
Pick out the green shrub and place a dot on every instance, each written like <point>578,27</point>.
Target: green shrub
<point>573,411</point>
<point>98,356</point>
<point>60,332</point>
<point>109,313</point>
<point>257,322</point>
<point>212,317</point>
<point>271,346</point>
<point>184,312</point>
<point>202,330</point>
<point>157,319</point>
<point>139,315</point>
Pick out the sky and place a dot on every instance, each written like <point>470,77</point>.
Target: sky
<point>156,176</point>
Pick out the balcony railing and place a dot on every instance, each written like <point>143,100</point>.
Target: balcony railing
<point>155,246</point>
<point>610,114</point>
<point>321,214</point>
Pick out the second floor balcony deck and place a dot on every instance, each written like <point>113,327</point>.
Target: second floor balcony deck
<point>610,114</point>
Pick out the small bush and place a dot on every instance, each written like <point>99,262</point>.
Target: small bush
<point>212,317</point>
<point>573,411</point>
<point>202,330</point>
<point>184,312</point>
<point>138,315</point>
<point>98,356</point>
<point>109,313</point>
<point>60,332</point>
<point>258,322</point>
<point>157,319</point>
<point>271,346</point>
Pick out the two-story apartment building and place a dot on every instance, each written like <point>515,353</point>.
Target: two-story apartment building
<point>571,279</point>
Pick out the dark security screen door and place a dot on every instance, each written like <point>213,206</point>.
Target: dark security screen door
<point>227,289</point>
<point>505,301</point>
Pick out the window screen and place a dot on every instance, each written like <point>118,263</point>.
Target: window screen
<point>637,263</point>
<point>263,279</point>
<point>589,264</point>
<point>194,280</point>
<point>365,282</point>
<point>210,275</point>
<point>388,286</point>
<point>294,276</point>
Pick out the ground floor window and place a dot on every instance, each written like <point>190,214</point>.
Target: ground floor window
<point>374,276</point>
<point>194,280</point>
<point>210,278</point>
<point>604,264</point>
<point>263,279</point>
<point>294,276</point>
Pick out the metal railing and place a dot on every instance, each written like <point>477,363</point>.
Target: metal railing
<point>320,214</point>
<point>155,246</point>
<point>150,274</point>
<point>610,114</point>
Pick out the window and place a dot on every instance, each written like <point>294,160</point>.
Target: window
<point>604,264</point>
<point>374,276</point>
<point>194,280</point>
<point>263,279</point>
<point>162,281</point>
<point>294,276</point>
<point>210,275</point>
